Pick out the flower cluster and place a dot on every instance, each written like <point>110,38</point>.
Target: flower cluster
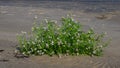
<point>67,39</point>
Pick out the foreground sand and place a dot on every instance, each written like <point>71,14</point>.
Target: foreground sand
<point>15,18</point>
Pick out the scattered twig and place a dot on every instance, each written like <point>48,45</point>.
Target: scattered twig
<point>4,60</point>
<point>20,55</point>
<point>101,17</point>
<point>1,50</point>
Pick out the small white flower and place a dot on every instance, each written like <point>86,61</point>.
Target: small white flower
<point>64,32</point>
<point>45,28</point>
<point>87,48</point>
<point>35,49</point>
<point>100,46</point>
<point>33,28</point>
<point>69,34</point>
<point>39,41</point>
<point>49,37</point>
<point>35,39</point>
<point>16,51</point>
<point>105,33</point>
<point>23,32</point>
<point>38,51</point>
<point>44,49</point>
<point>47,45</point>
<point>69,44</point>
<point>42,41</point>
<point>69,24</point>
<point>22,42</point>
<point>92,28</point>
<point>52,43</point>
<point>31,49</point>
<point>17,34</point>
<point>76,22</point>
<point>67,51</point>
<point>36,17</point>
<point>55,22</point>
<point>42,53</point>
<point>37,27</point>
<point>29,52</point>
<point>77,53</point>
<point>77,43</point>
<point>23,53</point>
<point>28,42</point>
<point>58,38</point>
<point>33,43</point>
<point>58,28</point>
<point>60,56</point>
<point>94,52</point>
<point>24,46</point>
<point>78,40</point>
<point>60,42</point>
<point>72,19</point>
<point>77,50</point>
<point>46,20</point>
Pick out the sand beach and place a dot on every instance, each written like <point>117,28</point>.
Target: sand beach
<point>17,16</point>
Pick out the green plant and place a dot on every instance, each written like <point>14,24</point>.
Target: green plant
<point>67,39</point>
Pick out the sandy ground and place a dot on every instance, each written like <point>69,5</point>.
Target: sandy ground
<point>19,16</point>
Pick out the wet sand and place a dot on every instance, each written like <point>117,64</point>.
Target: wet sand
<point>19,16</point>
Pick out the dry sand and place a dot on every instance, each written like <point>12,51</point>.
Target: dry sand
<point>19,16</point>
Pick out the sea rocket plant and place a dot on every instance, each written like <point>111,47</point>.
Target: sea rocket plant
<point>67,39</point>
